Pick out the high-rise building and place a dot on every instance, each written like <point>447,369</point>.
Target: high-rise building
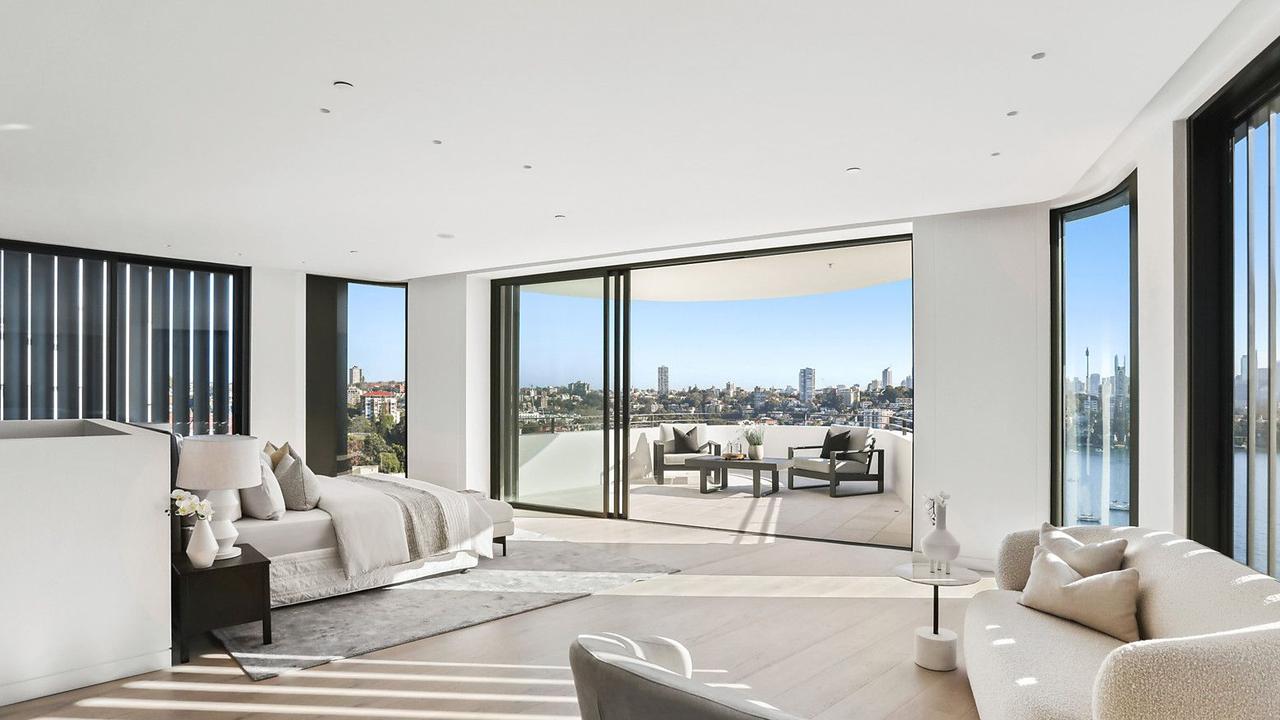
<point>355,375</point>
<point>730,389</point>
<point>886,377</point>
<point>664,381</point>
<point>808,382</point>
<point>909,382</point>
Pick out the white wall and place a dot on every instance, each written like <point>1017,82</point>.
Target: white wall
<point>982,373</point>
<point>448,377</point>
<point>277,357</point>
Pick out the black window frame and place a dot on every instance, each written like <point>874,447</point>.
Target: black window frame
<point>1058,217</point>
<point>327,362</point>
<point>1210,306</point>
<point>240,313</point>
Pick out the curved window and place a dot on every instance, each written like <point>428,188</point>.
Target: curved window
<point>1094,371</point>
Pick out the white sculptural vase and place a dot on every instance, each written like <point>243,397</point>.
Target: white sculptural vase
<point>203,546</point>
<point>755,452</point>
<point>940,546</point>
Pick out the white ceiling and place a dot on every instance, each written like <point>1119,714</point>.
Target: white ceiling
<point>756,278</point>
<point>193,128</point>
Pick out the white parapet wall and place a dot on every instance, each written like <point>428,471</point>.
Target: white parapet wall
<point>554,463</point>
<point>85,556</point>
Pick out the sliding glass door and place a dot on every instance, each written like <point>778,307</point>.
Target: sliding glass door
<point>1254,396</point>
<point>559,372</point>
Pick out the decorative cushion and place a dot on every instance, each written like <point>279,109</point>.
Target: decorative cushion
<point>835,441</point>
<point>1092,559</point>
<point>684,441</point>
<point>298,484</point>
<point>276,453</point>
<point>1106,602</point>
<point>265,501</point>
<point>824,466</point>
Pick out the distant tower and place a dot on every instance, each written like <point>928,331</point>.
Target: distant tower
<point>886,377</point>
<point>664,381</point>
<point>808,382</point>
<point>355,375</point>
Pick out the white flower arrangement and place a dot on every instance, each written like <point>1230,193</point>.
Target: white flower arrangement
<point>187,504</point>
<point>933,502</point>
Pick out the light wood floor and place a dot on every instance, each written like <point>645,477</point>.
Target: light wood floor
<point>816,629</point>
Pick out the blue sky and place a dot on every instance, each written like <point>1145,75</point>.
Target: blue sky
<point>847,337</point>
<point>1096,278</point>
<point>375,330</point>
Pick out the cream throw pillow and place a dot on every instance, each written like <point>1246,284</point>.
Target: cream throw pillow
<point>275,453</point>
<point>299,485</point>
<point>1106,602</point>
<point>265,501</point>
<point>1087,560</point>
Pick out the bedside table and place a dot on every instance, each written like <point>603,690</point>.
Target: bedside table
<point>229,592</point>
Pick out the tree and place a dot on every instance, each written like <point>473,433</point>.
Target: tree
<point>389,463</point>
<point>372,450</point>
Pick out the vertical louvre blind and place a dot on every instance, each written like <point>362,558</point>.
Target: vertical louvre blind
<point>1254,199</point>
<point>143,343</point>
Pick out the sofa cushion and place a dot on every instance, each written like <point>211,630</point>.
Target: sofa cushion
<point>1023,663</point>
<point>1106,602</point>
<point>1085,558</point>
<point>666,433</point>
<point>835,441</point>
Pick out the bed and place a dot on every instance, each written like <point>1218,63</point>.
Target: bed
<point>369,531</point>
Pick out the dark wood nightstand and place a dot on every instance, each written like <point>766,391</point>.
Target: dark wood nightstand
<point>230,592</point>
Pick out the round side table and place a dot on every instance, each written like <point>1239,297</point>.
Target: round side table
<point>935,646</point>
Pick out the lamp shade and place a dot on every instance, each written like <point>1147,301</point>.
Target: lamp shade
<point>219,462</point>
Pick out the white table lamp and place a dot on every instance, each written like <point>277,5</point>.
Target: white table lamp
<point>216,467</point>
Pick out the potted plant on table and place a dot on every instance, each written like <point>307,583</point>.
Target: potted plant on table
<point>755,442</point>
<point>203,546</point>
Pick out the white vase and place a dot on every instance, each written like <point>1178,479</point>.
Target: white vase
<point>940,546</point>
<point>755,452</point>
<point>203,546</point>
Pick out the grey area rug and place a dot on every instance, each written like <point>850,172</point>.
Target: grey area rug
<point>536,573</point>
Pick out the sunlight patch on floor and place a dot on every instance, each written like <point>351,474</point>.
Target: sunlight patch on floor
<point>790,586</point>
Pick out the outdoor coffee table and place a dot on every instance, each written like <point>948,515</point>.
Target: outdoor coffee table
<point>707,464</point>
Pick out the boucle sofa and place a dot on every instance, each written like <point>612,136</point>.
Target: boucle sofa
<point>1210,647</point>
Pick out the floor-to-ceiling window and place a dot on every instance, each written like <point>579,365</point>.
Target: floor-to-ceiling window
<point>1234,195</point>
<point>1095,360</point>
<point>145,340</point>
<point>357,393</point>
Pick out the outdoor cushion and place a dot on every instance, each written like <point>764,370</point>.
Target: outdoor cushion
<point>678,458</point>
<point>835,441</point>
<point>684,441</point>
<point>824,466</point>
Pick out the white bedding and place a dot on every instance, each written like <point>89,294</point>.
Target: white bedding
<point>296,531</point>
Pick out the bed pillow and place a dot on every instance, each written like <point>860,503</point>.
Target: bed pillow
<point>1106,602</point>
<point>1091,559</point>
<point>298,484</point>
<point>275,453</point>
<point>265,501</point>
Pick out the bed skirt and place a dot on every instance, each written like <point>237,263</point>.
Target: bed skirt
<point>315,574</point>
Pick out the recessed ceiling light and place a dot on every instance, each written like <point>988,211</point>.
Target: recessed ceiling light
<point>444,236</point>
<point>1038,56</point>
<point>852,170</point>
<point>437,142</point>
<point>352,252</point>
<point>1011,113</point>
<point>14,126</point>
<point>995,154</point>
<point>528,167</point>
<point>325,110</point>
<point>559,217</point>
<point>342,84</point>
